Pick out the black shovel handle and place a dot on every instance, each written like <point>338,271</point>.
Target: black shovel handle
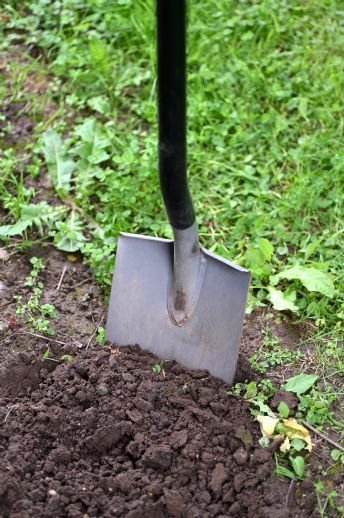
<point>171,51</point>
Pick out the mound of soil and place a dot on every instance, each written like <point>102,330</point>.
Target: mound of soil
<point>104,435</point>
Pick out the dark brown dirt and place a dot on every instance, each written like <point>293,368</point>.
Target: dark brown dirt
<point>104,435</point>
<point>21,125</point>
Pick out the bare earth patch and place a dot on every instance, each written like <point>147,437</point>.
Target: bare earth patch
<point>104,435</point>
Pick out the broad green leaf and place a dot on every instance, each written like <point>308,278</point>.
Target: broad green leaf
<point>266,248</point>
<point>15,229</point>
<point>251,390</point>
<point>283,409</point>
<point>86,130</point>
<point>311,278</point>
<point>298,444</point>
<point>98,50</point>
<point>97,156</point>
<point>280,429</point>
<point>38,214</point>
<point>311,248</point>
<point>92,148</point>
<point>280,300</point>
<point>69,237</point>
<point>60,166</point>
<point>100,104</point>
<point>337,455</point>
<point>156,368</point>
<point>263,407</point>
<point>298,465</point>
<point>282,250</point>
<point>254,257</point>
<point>300,383</point>
<point>285,472</point>
<point>69,243</point>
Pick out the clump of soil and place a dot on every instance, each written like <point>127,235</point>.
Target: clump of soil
<point>104,435</point>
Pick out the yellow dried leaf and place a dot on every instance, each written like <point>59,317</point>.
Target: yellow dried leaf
<point>267,425</point>
<point>292,425</point>
<point>72,258</point>
<point>294,430</point>
<point>285,446</point>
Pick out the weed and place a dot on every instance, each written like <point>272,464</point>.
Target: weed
<point>265,155</point>
<point>37,266</point>
<point>293,437</point>
<point>326,500</point>
<point>67,357</point>
<point>101,338</point>
<point>46,354</point>
<point>294,440</point>
<point>158,367</point>
<point>315,407</point>
<point>32,312</point>
<point>314,404</point>
<point>337,456</point>
<point>13,192</point>
<point>255,393</point>
<point>283,466</point>
<point>271,353</point>
<point>329,355</point>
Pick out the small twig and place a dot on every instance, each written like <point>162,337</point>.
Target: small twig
<point>8,413</point>
<point>322,435</point>
<point>6,304</point>
<point>81,283</point>
<point>95,331</point>
<point>10,255</point>
<point>78,344</point>
<point>51,359</point>
<point>61,278</point>
<point>41,336</point>
<point>288,493</point>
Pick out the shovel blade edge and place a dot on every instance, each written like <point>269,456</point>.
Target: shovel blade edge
<point>138,311</point>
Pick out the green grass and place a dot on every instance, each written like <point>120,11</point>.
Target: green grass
<point>265,131</point>
<point>271,353</point>
<point>265,144</point>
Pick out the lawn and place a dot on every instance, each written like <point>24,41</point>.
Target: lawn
<point>78,164</point>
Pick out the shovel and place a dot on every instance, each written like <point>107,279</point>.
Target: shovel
<point>175,298</point>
